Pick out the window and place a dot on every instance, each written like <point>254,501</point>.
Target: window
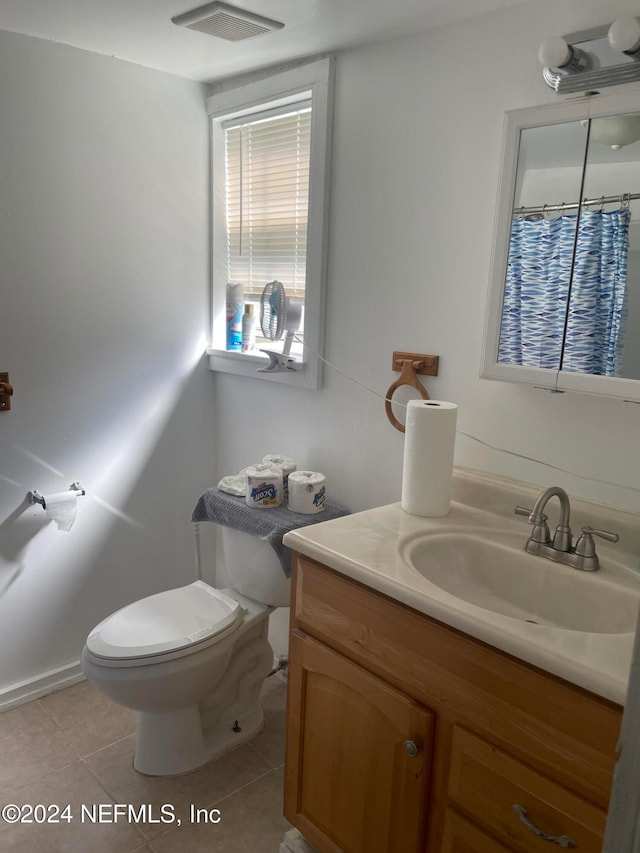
<point>270,156</point>
<point>267,200</point>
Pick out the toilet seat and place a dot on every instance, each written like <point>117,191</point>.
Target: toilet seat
<point>162,625</point>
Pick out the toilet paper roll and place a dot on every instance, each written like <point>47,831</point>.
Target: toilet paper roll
<point>264,486</point>
<point>61,507</point>
<point>427,469</point>
<point>306,492</point>
<point>285,463</point>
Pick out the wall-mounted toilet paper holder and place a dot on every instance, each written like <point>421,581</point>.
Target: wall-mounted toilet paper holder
<point>6,392</point>
<point>35,497</point>
<point>409,364</point>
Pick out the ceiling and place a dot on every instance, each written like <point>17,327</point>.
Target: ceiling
<point>141,31</point>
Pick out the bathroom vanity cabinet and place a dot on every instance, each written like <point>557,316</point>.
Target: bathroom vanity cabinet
<point>404,734</point>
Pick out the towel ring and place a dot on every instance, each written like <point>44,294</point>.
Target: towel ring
<point>407,377</point>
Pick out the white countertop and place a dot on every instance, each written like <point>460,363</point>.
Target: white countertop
<point>370,548</point>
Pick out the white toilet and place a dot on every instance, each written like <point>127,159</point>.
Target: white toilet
<point>192,660</point>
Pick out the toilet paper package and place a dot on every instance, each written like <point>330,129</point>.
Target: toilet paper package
<point>427,470</point>
<point>286,464</point>
<point>264,486</point>
<point>306,492</point>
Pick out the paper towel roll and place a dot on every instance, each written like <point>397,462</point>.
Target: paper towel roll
<point>61,507</point>
<point>306,492</point>
<point>427,469</point>
<point>264,486</point>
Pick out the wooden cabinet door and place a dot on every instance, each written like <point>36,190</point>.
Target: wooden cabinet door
<point>350,783</point>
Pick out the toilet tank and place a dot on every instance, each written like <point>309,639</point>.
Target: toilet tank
<point>253,568</point>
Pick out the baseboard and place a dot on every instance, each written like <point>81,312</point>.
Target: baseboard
<point>295,842</point>
<point>34,688</point>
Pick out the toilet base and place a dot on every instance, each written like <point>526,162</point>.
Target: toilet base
<point>180,734</point>
<point>179,740</point>
<point>224,739</point>
<point>185,747</point>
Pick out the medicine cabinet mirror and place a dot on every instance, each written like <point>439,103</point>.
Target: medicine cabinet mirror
<point>564,300</point>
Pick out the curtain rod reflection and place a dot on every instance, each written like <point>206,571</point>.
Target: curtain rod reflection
<point>623,199</point>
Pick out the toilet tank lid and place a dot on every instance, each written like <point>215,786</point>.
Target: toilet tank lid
<point>164,622</point>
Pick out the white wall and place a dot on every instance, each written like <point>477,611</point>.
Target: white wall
<point>418,124</point>
<point>103,305</point>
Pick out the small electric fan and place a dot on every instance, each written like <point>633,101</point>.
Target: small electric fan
<point>278,315</point>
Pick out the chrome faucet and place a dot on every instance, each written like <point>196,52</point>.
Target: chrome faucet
<point>583,556</point>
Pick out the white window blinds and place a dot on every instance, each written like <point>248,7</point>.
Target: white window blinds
<point>267,200</point>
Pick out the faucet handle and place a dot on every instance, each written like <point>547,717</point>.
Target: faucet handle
<point>523,510</point>
<point>585,546</point>
<point>540,531</point>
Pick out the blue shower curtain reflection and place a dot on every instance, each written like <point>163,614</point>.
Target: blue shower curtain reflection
<point>598,303</point>
<point>537,286</point>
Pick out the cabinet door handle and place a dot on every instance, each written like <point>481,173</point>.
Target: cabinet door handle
<point>411,748</point>
<point>560,840</point>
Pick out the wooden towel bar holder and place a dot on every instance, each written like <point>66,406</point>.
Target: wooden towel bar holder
<point>410,364</point>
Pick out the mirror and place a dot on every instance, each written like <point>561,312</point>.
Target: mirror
<point>564,301</point>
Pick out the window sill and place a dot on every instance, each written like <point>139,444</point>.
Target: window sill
<point>248,364</point>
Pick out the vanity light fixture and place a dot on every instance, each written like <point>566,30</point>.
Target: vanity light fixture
<point>624,36</point>
<point>557,54</point>
<point>589,60</point>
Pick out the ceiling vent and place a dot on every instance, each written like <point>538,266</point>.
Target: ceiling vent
<point>226,22</point>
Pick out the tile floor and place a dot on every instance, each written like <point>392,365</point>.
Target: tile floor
<point>76,747</point>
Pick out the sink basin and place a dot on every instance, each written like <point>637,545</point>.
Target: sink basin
<point>493,571</point>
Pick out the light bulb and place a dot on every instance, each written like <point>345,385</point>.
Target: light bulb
<point>554,53</point>
<point>624,35</point>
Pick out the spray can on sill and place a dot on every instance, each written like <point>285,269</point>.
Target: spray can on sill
<point>235,304</point>
<point>248,328</point>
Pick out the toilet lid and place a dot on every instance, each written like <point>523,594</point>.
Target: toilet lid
<point>164,622</point>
